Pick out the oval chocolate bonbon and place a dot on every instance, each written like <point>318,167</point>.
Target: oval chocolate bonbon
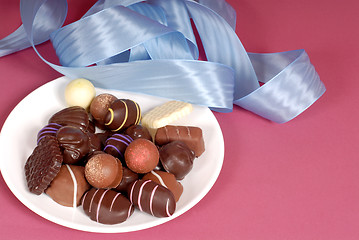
<point>121,114</point>
<point>152,198</point>
<point>106,206</point>
<point>117,144</point>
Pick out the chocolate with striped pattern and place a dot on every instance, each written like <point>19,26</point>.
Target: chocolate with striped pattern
<point>117,144</point>
<point>72,116</point>
<point>106,206</point>
<point>121,114</point>
<point>151,197</point>
<point>50,129</point>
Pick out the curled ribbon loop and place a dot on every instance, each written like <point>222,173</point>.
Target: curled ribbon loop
<point>150,47</point>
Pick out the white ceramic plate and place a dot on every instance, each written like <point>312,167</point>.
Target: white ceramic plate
<point>18,139</point>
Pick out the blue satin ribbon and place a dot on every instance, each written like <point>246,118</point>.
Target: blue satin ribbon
<point>150,47</point>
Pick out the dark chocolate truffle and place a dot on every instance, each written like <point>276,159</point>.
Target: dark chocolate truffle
<point>100,105</point>
<point>192,136</point>
<point>106,206</point>
<point>141,156</point>
<point>177,158</point>
<point>74,142</point>
<point>167,180</point>
<point>68,186</point>
<point>152,198</point>
<point>103,170</point>
<point>138,131</point>
<point>121,114</point>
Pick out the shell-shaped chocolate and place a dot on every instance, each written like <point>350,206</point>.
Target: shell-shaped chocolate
<point>177,158</point>
<point>49,130</point>
<point>152,198</point>
<point>74,142</point>
<point>121,114</point>
<point>73,116</point>
<point>117,144</point>
<point>106,206</point>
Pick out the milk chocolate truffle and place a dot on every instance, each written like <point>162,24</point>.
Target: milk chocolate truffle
<point>73,116</point>
<point>177,158</point>
<point>152,198</point>
<point>50,129</point>
<point>128,177</point>
<point>167,180</point>
<point>192,136</point>
<point>141,155</point>
<point>138,131</point>
<point>117,144</point>
<point>121,114</point>
<point>68,186</point>
<point>106,206</point>
<point>103,170</point>
<point>100,105</point>
<point>74,143</point>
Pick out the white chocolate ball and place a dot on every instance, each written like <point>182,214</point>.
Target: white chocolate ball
<point>79,92</point>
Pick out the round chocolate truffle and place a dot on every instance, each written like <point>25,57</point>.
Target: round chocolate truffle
<point>74,143</point>
<point>106,206</point>
<point>121,114</point>
<point>177,158</point>
<point>69,185</point>
<point>141,155</point>
<point>100,105</point>
<point>138,131</point>
<point>103,170</point>
<point>167,180</point>
<point>79,92</point>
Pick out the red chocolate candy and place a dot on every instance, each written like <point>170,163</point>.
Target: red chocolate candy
<point>103,170</point>
<point>152,198</point>
<point>68,186</point>
<point>106,206</point>
<point>167,180</point>
<point>141,156</point>
<point>121,114</point>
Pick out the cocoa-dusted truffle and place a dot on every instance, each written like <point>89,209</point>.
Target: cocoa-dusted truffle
<point>74,142</point>
<point>138,131</point>
<point>117,144</point>
<point>100,105</point>
<point>167,180</point>
<point>106,206</point>
<point>177,158</point>
<point>121,114</point>
<point>73,116</point>
<point>128,177</point>
<point>68,186</point>
<point>141,155</point>
<point>103,170</point>
<point>152,198</point>
<point>190,135</point>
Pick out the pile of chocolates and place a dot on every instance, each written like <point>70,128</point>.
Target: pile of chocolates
<point>104,159</point>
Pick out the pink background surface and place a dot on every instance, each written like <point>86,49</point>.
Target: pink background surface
<point>297,180</point>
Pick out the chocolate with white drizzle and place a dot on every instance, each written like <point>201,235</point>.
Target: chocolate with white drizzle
<point>190,135</point>
<point>106,206</point>
<point>151,197</point>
